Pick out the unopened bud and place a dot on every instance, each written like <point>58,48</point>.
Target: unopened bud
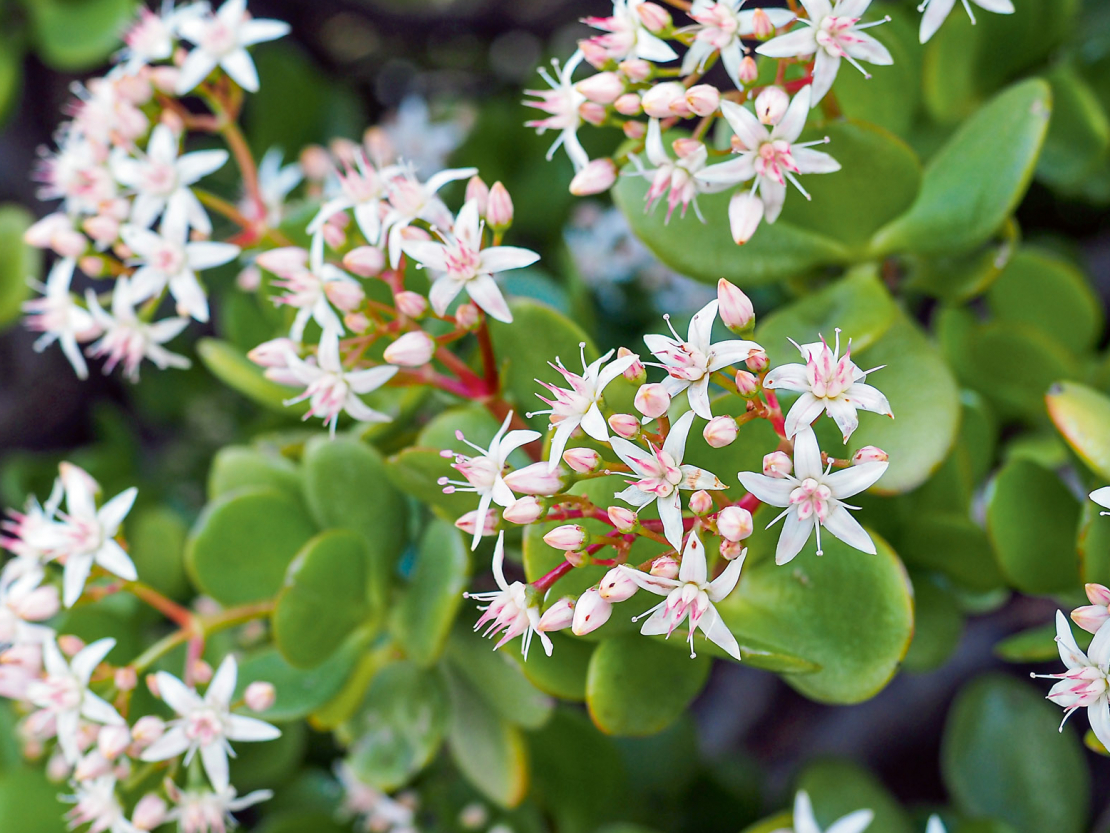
<point>617,586</point>
<point>701,503</point>
<point>602,88</point>
<point>411,350</point>
<point>635,372</point>
<point>173,121</point>
<point>535,479</point>
<point>334,236</point>
<point>745,212</point>
<point>703,99</point>
<point>260,696</point>
<point>720,431</point>
<point>777,464</point>
<point>102,228</point>
<point>357,322</point>
<point>283,262</point>
<point>468,523</point>
<point>112,740</point>
<point>595,54</point>
<point>92,265</point>
<point>582,460</point>
<point>635,69</point>
<point>152,686</point>
<point>410,304</point>
<point>652,400</point>
<point>164,78</point>
<point>526,510</point>
<point>38,605</point>
<point>592,112</point>
<point>57,768</point>
<point>150,812</point>
<point>734,523</point>
<point>126,678</point>
<point>731,550</point>
<point>869,454</point>
<point>499,210</point>
<point>315,163</point>
<point>628,105</point>
<point>757,362</point>
<point>202,672</point>
<point>623,519</point>
<point>747,384</point>
<point>771,104</point>
<point>249,278</point>
<point>664,567</point>
<point>625,425</point>
<point>634,129</point>
<point>148,729</point>
<point>762,27</point>
<point>665,100</point>
<point>345,295</point>
<point>598,176</point>
<point>686,146</point>
<point>70,644</point>
<point>591,611</point>
<point>748,71</point>
<point>655,18</point>
<point>273,353</point>
<point>557,617</point>
<point>568,537</point>
<point>734,307</point>
<point>91,766</point>
<point>466,316</point>
<point>477,192</point>
<point>364,261</point>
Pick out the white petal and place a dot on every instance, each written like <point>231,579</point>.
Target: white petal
<point>787,377</point>
<point>170,745</point>
<point>196,68</point>
<point>698,394</point>
<point>259,31</point>
<point>504,258</point>
<point>646,581</point>
<point>593,423</point>
<point>1099,715</point>
<point>935,14</point>
<point>242,728</point>
<point>675,444</point>
<point>725,583</point>
<point>73,579</point>
<point>193,166</point>
<point>773,491</point>
<point>89,657</point>
<point>222,688</point>
<point>99,711</point>
<point>855,822</point>
<point>802,41</point>
<point>717,632</point>
<point>189,295</point>
<point>845,527</point>
<point>370,379</point>
<point>795,533</point>
<point>693,569</point>
<point>843,413</point>
<point>810,161</point>
<point>113,512</point>
<point>240,67</point>
<point>1101,496</point>
<point>854,479</point>
<point>744,124</point>
<point>870,50</point>
<point>1099,652</point>
<point>670,513</point>
<point>484,291</point>
<point>214,758</point>
<point>804,820</point>
<point>825,69</point>
<point>997,6</point>
<point>112,557</point>
<point>203,256</point>
<point>176,694</point>
<point>732,172</point>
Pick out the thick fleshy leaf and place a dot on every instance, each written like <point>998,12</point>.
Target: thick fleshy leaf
<point>1081,415</point>
<point>231,366</point>
<point>399,727</point>
<point>346,486</point>
<point>324,598</point>
<point>11,73</point>
<point>563,674</point>
<point>268,765</point>
<point>838,788</point>
<point>240,466</point>
<point>29,803</point>
<point>952,544</point>
<point>242,543</point>
<point>802,609</point>
<point>1035,779</point>
<point>1031,519</point>
<point>637,686</point>
<point>74,37</point>
<point>1036,645</point>
<point>938,624</point>
<point>956,279</point>
<point>18,261</point>
<point>490,752</point>
<point>1079,134</point>
<point>421,619</point>
<point>973,183</point>
<point>1044,290</point>
<point>156,536</point>
<point>1093,544</point>
<point>889,98</point>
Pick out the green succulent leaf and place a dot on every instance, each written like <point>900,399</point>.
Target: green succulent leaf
<point>18,261</point>
<point>239,466</point>
<point>1081,415</point>
<point>75,37</point>
<point>838,788</point>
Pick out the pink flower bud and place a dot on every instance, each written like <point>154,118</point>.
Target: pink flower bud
<point>623,519</point>
<point>869,454</point>
<point>582,460</point>
<point>686,146</point>
<point>499,212</point>
<point>477,192</point>
<point>346,295</point>
<point>345,150</point>
<point>535,479</point>
<point>41,233</point>
<point>70,243</point>
<point>316,163</point>
<point>747,384</point>
<point>173,121</point>
<point>568,537</point>
<point>652,400</point>
<point>635,372</point>
<point>1097,594</point>
<point>526,510</point>
<point>334,236</point>
<point>164,79</point>
<point>664,567</point>
<point>150,812</point>
<point>284,262</point>
<point>628,105</point>
<point>260,696</point>
<point>92,266</point>
<point>249,278</point>
<point>777,464</point>
<point>762,27</point>
<point>1091,617</point>
<point>466,316</point>
<point>593,113</point>
<point>68,643</point>
<point>468,523</point>
<point>557,617</point>
<point>126,678</point>
<point>734,523</point>
<point>720,431</point>
<point>357,322</point>
<point>91,766</point>
<point>151,681</point>
<point>595,54</point>
<point>57,768</point>
<point>591,611</point>
<point>598,176</point>
<point>112,740</point>
<point>701,503</point>
<point>364,261</point>
<point>202,672</point>
<point>757,362</point>
<point>616,586</point>
<point>664,100</point>
<point>634,129</point>
<point>148,729</point>
<point>625,425</point>
<point>603,88</point>
<point>731,550</point>
<point>635,69</point>
<point>411,350</point>
<point>410,304</point>
<point>575,559</point>
<point>771,104</point>
<point>748,71</point>
<point>38,605</point>
<point>655,18</point>
<point>703,99</point>
<point>274,353</point>
<point>734,307</point>
<point>745,212</point>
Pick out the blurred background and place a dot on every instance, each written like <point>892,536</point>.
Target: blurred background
<point>446,76</point>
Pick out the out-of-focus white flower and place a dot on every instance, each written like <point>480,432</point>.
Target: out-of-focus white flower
<point>461,263</point>
<point>513,609</point>
<point>205,725</point>
<point>424,144</point>
<point>60,318</point>
<point>720,27</point>
<point>805,822</point>
<point>627,36</point>
<point>307,280</point>
<point>561,103</point>
<point>129,339</point>
<point>937,11</point>
<point>411,200</point>
<point>77,172</point>
<point>376,811</point>
<point>832,32</point>
<point>221,40</point>
<point>362,188</point>
<point>23,602</point>
<point>208,811</point>
<point>813,497</point>
<point>98,806</point>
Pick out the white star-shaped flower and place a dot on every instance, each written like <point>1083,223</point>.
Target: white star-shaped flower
<point>60,318</point>
<point>512,609</point>
<point>221,40</point>
<point>129,339</point>
<point>805,822</point>
<point>720,28</point>
<point>937,11</point>
<point>561,103</point>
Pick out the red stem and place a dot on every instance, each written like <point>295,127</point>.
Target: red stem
<point>544,582</point>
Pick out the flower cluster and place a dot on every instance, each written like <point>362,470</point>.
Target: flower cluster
<point>78,706</point>
<point>660,498</point>
<point>638,89</point>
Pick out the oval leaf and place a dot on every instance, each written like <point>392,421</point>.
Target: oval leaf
<point>1081,414</point>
